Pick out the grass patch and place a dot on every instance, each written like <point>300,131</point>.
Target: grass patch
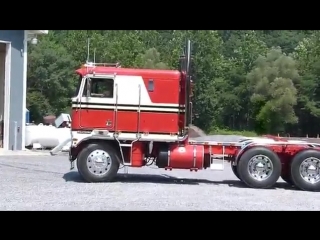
<point>231,132</point>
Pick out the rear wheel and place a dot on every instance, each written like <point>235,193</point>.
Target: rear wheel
<point>235,171</point>
<point>98,162</point>
<point>305,170</point>
<point>259,167</point>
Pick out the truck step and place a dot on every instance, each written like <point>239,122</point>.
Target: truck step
<point>216,164</point>
<point>125,145</point>
<point>217,160</point>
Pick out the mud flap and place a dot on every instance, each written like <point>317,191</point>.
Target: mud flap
<point>71,165</point>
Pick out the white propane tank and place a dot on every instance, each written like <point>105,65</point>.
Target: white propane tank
<point>31,134</point>
<point>46,136</point>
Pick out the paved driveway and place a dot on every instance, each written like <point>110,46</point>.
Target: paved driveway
<point>45,183</point>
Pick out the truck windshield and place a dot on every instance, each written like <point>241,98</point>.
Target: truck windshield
<point>78,86</point>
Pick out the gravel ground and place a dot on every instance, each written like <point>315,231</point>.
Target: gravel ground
<point>45,183</point>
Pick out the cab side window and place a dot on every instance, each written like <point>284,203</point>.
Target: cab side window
<point>101,88</point>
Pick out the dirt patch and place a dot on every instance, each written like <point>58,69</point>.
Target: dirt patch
<point>194,132</point>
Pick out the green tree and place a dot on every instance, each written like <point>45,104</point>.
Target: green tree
<point>51,82</point>
<point>209,70</point>
<point>242,49</point>
<point>307,54</point>
<point>274,95</point>
<point>151,60</point>
<point>287,40</point>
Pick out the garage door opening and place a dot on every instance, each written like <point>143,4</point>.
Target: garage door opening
<point>4,93</point>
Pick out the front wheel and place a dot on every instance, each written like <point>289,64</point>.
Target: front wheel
<point>259,167</point>
<point>98,162</point>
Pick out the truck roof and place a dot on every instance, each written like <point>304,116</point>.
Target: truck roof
<point>128,71</point>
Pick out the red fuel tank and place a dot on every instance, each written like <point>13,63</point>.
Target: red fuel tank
<point>181,157</point>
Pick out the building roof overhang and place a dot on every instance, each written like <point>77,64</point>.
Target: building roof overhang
<point>34,32</point>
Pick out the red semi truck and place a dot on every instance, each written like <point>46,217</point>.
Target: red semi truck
<point>137,117</point>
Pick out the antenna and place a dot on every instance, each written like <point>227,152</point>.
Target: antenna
<point>94,55</point>
<point>88,49</point>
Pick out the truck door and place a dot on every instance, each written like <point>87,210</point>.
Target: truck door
<point>98,105</point>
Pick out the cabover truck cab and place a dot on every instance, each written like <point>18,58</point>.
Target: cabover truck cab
<point>140,117</point>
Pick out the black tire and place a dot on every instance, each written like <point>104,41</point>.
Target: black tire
<point>245,175</point>
<point>287,178</point>
<point>84,171</point>
<point>297,179</point>
<point>235,171</point>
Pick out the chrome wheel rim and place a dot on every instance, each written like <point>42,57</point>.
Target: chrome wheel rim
<point>99,162</point>
<point>260,167</point>
<point>310,170</point>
